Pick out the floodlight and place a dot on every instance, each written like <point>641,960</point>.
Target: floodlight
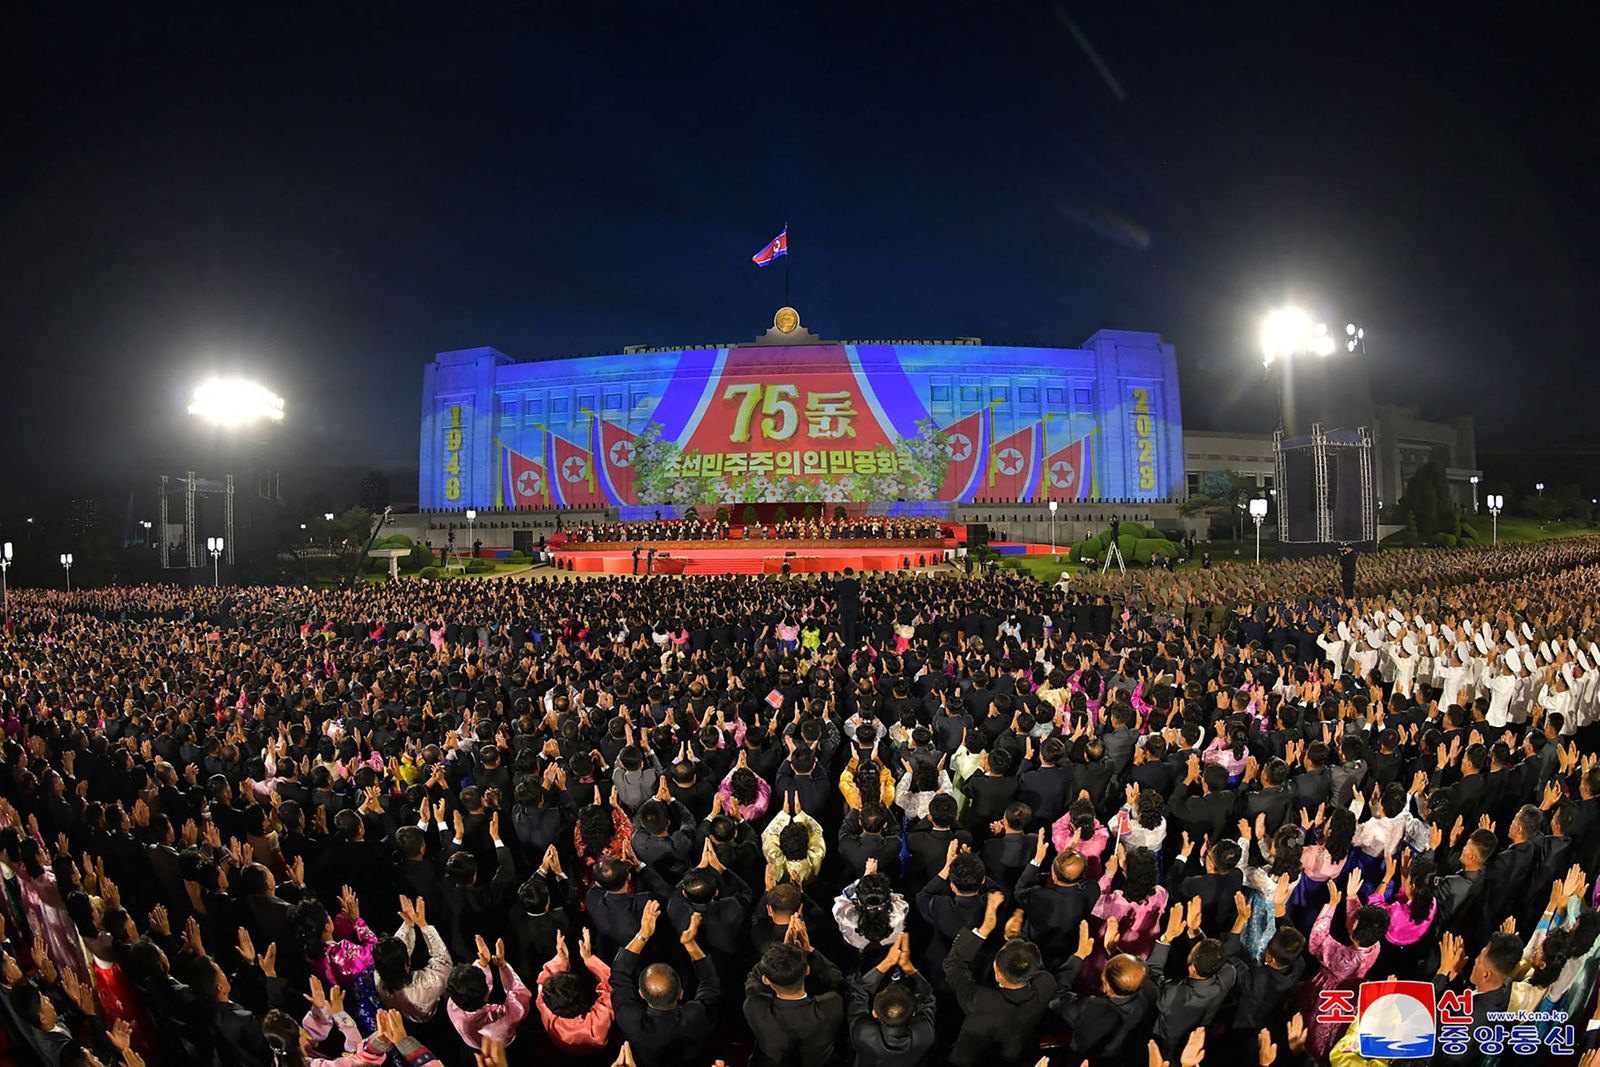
<point>231,403</point>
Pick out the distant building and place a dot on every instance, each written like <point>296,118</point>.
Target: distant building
<point>1402,442</point>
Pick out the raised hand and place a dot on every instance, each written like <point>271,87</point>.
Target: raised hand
<point>1297,1034</point>
<point>1452,954</point>
<point>492,1053</point>
<point>1169,935</point>
<point>247,948</point>
<point>1085,941</point>
<point>349,903</point>
<point>318,997</point>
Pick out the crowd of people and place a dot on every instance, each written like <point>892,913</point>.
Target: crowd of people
<point>911,818</point>
<point>872,527</point>
<point>651,530</point>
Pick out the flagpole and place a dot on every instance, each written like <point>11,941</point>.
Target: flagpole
<point>786,265</point>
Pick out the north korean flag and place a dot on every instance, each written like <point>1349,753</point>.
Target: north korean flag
<point>778,246</point>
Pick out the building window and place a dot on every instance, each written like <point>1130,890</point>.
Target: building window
<point>613,401</point>
<point>1055,396</point>
<point>971,394</point>
<point>1027,394</point>
<point>1083,398</point>
<point>939,394</point>
<point>1193,478</point>
<point>1000,392</point>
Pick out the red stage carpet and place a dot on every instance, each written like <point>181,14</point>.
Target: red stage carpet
<point>750,559</point>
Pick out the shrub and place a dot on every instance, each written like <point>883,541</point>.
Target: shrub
<point>479,566</point>
<point>517,556</point>
<point>781,514</point>
<point>1136,530</point>
<point>1127,543</point>
<point>1148,548</point>
<point>1468,533</point>
<point>1089,547</point>
<point>1444,540</point>
<point>722,514</point>
<point>749,515</point>
<point>840,514</point>
<point>421,556</point>
<point>430,573</point>
<point>394,541</point>
<point>809,513</point>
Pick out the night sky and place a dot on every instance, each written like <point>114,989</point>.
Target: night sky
<point>324,196</point>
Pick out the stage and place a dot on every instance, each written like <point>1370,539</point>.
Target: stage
<point>747,557</point>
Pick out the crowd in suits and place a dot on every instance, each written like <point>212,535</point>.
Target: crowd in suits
<point>889,820</point>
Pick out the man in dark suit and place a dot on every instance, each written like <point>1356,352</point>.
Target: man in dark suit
<point>1215,886</point>
<point>928,840</point>
<point>1054,905</point>
<point>650,1008</point>
<point>891,1012</point>
<point>1001,1020</point>
<point>1209,814</point>
<point>1273,799</point>
<point>1110,1026</point>
<point>1263,987</point>
<point>847,591</point>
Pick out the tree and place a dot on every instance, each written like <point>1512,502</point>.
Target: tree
<point>1426,504</point>
<point>1221,493</point>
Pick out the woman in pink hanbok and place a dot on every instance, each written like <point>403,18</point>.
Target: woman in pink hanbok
<point>44,887</point>
<point>1137,905</point>
<point>339,951</point>
<point>1343,966</point>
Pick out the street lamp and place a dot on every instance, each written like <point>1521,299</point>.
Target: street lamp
<point>233,403</point>
<point>472,513</point>
<point>66,565</point>
<point>1053,506</point>
<point>1495,502</point>
<point>214,546</point>
<point>1539,486</point>
<point>1258,514</point>
<point>1474,481</point>
<point>5,565</point>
